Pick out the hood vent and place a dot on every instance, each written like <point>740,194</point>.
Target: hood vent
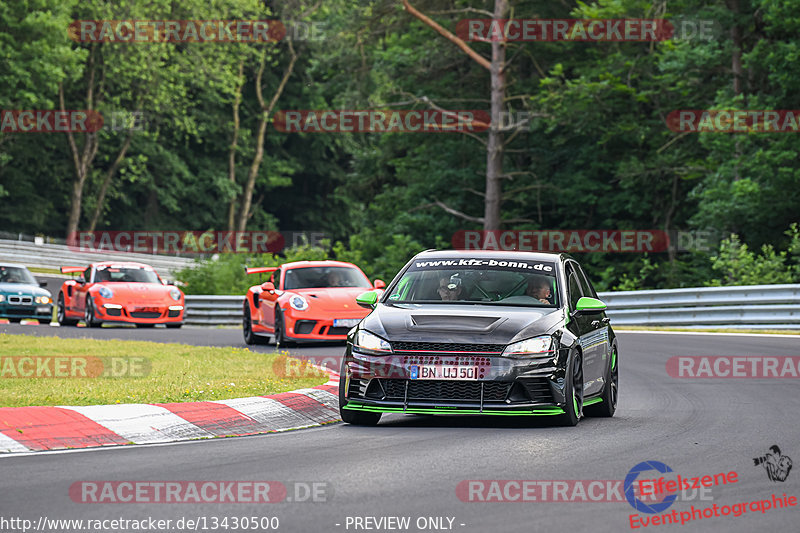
<point>477,324</point>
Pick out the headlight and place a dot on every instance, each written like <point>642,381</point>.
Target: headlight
<point>105,292</point>
<point>298,302</point>
<point>43,300</point>
<point>367,342</point>
<point>175,294</point>
<point>534,346</point>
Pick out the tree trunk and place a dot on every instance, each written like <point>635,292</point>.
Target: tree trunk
<point>266,111</point>
<point>101,196</point>
<point>494,148</point>
<point>82,160</point>
<point>237,100</point>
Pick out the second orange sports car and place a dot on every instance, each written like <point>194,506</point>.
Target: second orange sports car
<point>119,292</point>
<point>305,301</point>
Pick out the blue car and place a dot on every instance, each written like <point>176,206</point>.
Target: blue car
<point>21,296</point>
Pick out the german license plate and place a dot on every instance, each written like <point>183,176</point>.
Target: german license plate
<point>451,372</point>
<point>345,322</point>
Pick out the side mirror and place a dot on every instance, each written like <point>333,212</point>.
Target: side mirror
<point>81,280</point>
<point>169,282</point>
<point>367,299</point>
<point>268,286</point>
<point>43,284</point>
<point>589,306</point>
<point>379,284</point>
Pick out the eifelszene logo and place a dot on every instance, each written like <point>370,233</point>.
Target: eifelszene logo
<point>777,466</point>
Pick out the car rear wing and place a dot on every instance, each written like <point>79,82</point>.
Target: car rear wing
<point>72,269</point>
<point>259,270</point>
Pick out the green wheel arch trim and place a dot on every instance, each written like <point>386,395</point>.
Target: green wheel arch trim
<point>592,401</point>
<point>613,358</point>
<point>545,411</point>
<point>575,402</point>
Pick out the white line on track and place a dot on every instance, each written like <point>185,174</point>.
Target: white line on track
<point>771,335</point>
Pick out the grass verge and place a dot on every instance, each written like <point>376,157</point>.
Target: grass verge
<point>149,372</point>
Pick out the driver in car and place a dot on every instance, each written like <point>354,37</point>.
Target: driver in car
<point>450,288</point>
<point>539,288</point>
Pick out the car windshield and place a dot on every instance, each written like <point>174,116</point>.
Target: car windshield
<point>10,274</point>
<point>478,280</point>
<point>126,275</point>
<point>318,277</point>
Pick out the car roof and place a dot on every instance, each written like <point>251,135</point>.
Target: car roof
<point>17,265</point>
<point>494,254</point>
<point>121,263</point>
<point>327,263</point>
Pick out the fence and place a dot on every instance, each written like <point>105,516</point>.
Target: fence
<point>47,255</point>
<point>753,306</point>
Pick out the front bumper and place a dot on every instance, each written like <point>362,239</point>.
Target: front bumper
<point>156,313</point>
<point>506,386</point>
<point>39,312</point>
<point>317,328</point>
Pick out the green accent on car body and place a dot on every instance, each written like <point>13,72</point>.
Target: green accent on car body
<point>592,401</point>
<point>369,298</point>
<point>546,411</point>
<point>586,303</point>
<point>575,402</point>
<point>613,360</point>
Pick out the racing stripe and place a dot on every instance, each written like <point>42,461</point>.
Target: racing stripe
<point>216,418</point>
<point>7,444</point>
<point>142,423</point>
<point>49,428</point>
<point>272,415</point>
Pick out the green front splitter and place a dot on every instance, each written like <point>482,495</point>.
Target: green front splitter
<point>548,411</point>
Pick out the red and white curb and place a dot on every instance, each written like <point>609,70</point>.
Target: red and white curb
<point>26,429</point>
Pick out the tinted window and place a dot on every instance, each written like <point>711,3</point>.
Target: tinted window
<point>125,275</point>
<point>318,277</point>
<point>573,287</point>
<point>469,280</point>
<point>9,274</point>
<point>586,285</point>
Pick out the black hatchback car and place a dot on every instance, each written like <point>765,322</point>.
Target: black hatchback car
<point>483,333</point>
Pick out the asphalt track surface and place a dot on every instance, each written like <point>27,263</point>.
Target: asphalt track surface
<point>410,466</point>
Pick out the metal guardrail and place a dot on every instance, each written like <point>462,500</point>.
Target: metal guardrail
<point>752,306</point>
<point>204,310</point>
<point>46,255</point>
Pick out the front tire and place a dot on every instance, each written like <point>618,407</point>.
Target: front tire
<point>61,312</point>
<point>608,406</point>
<point>89,316</point>
<point>247,328</point>
<point>355,418</point>
<point>573,392</point>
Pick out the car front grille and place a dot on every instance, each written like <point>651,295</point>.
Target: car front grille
<point>446,347</point>
<point>445,390</point>
<point>338,331</point>
<point>20,300</point>
<point>538,389</point>
<point>145,314</point>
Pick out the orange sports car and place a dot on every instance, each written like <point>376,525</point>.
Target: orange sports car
<point>305,301</point>
<point>119,292</point>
